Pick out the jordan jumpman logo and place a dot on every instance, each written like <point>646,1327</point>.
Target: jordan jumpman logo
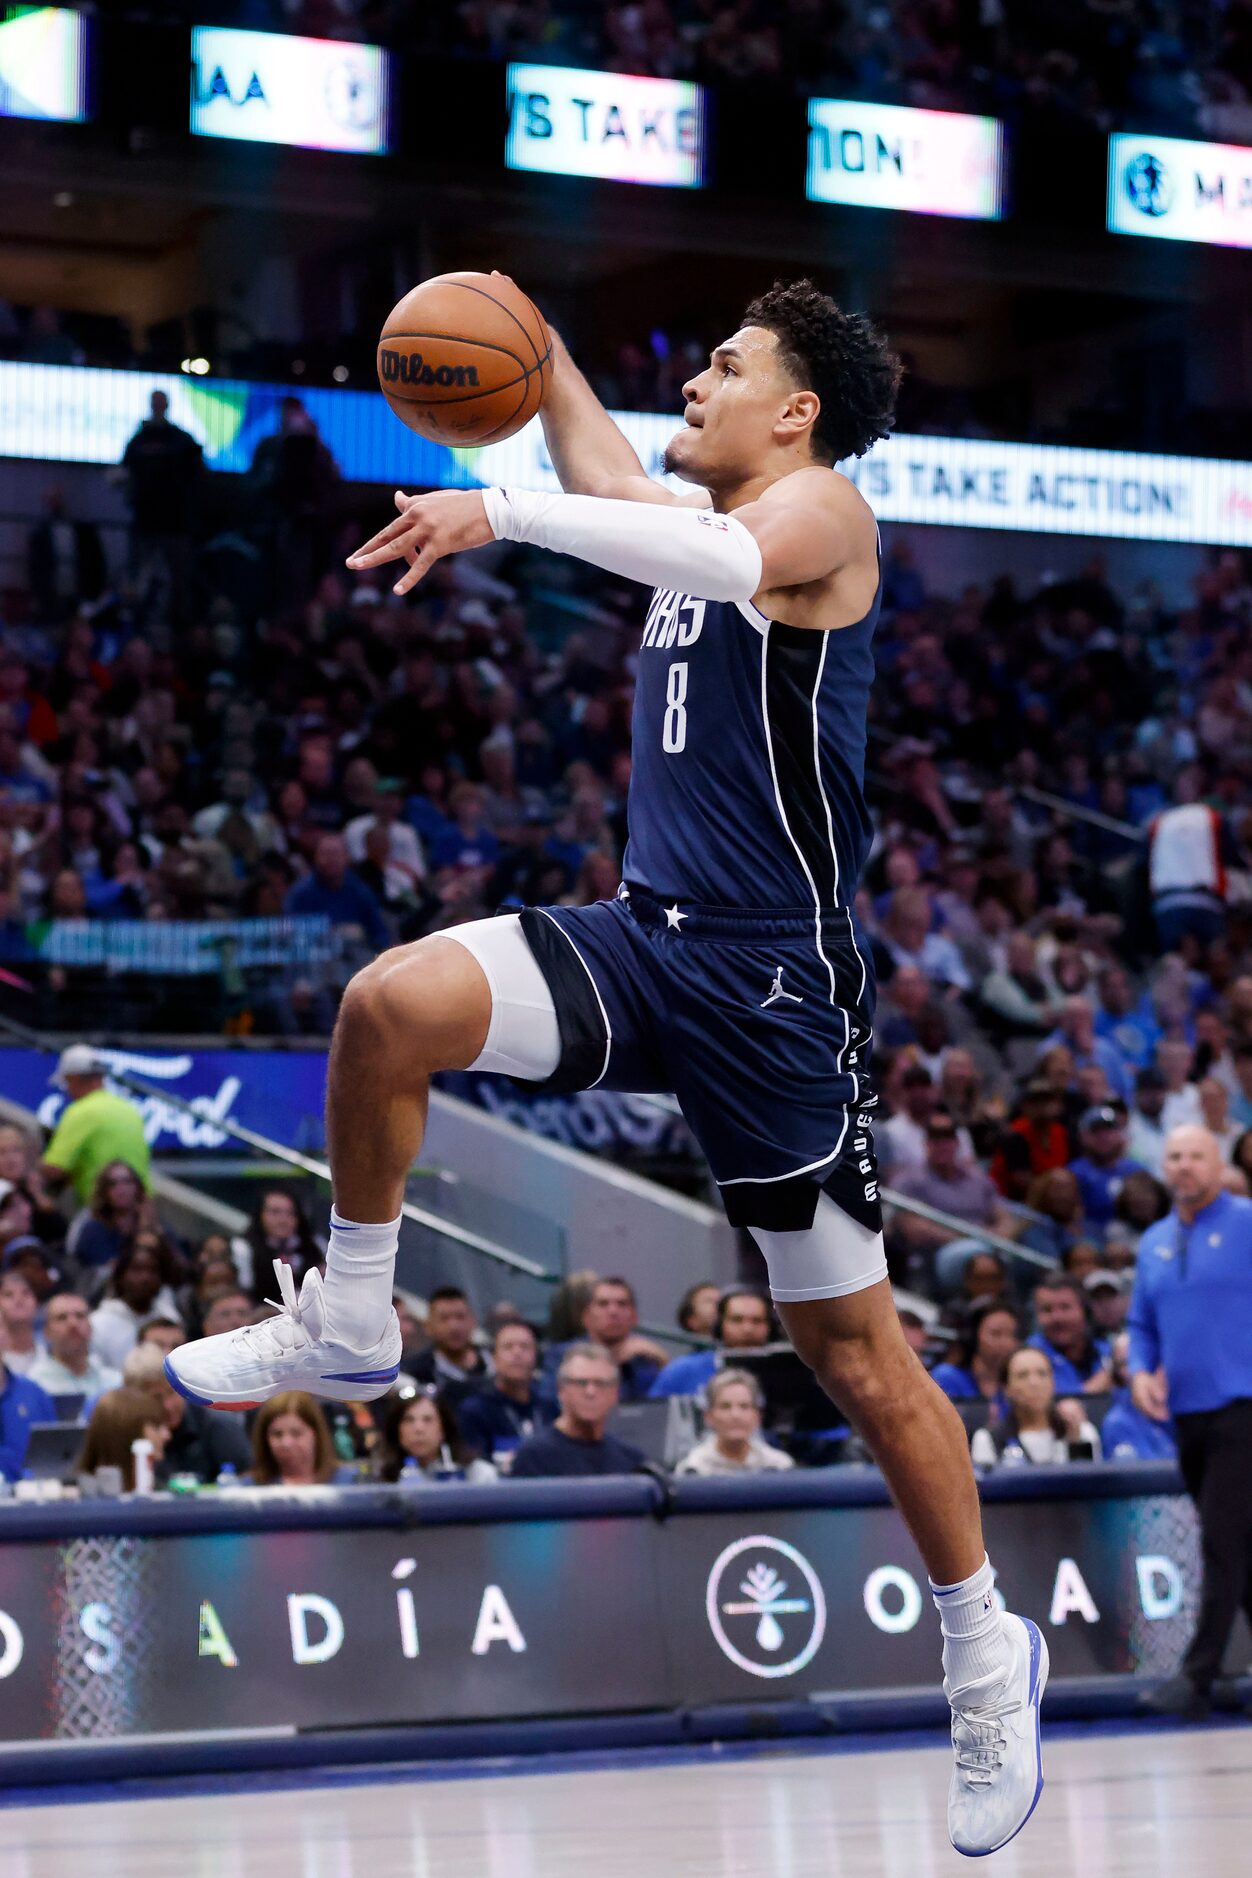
<point>777,995</point>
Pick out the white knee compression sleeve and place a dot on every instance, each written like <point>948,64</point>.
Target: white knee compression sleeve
<point>693,551</point>
<point>524,1038</point>
<point>836,1256</point>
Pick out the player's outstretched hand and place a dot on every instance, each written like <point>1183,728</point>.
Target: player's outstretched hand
<point>427,528</point>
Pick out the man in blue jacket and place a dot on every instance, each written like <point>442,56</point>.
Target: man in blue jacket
<point>22,1403</point>
<point>1191,1354</point>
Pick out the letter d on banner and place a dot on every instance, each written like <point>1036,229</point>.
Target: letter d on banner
<point>301,1605</point>
<point>1160,1586</point>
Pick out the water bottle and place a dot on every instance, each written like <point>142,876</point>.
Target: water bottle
<point>410,1473</point>
<point>142,1452</point>
<point>228,1475</point>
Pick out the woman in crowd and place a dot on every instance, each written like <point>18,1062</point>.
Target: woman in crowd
<point>697,1313</point>
<point>424,1429</point>
<point>291,1444</point>
<point>19,1166</point>
<point>142,1286</point>
<point>117,1208</point>
<point>734,1443</point>
<point>976,1368</point>
<point>1036,1427</point>
<point>1057,1196</point>
<point>1142,1201</point>
<point>278,1229</point>
<point>120,1417</point>
<point>21,1346</point>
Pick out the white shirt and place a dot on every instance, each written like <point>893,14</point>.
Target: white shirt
<point>1182,1108</point>
<point>1145,1142</point>
<point>707,1459</point>
<point>57,1380</point>
<point>1043,1447</point>
<point>115,1327</point>
<point>405,857</point>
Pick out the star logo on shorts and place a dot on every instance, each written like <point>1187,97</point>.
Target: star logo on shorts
<point>673,918</point>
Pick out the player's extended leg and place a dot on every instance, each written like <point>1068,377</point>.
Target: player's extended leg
<point>414,1010</point>
<point>995,1665</point>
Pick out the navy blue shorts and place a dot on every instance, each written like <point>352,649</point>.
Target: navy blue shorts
<point>761,1030</point>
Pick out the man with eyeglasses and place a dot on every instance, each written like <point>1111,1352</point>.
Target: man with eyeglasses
<point>577,1445</point>
<point>1191,1356</point>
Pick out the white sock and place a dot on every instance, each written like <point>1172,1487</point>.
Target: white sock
<point>973,1633</point>
<point>360,1272</point>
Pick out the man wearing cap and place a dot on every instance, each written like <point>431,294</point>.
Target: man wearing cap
<point>1145,1137</point>
<point>1108,1300</point>
<point>95,1127</point>
<point>1103,1164</point>
<point>1191,1355</point>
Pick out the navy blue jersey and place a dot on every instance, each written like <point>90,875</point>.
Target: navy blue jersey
<point>747,787</point>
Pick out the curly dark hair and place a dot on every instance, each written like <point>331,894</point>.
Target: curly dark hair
<point>841,356</point>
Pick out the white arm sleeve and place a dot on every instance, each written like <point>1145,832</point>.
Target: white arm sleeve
<point>693,551</point>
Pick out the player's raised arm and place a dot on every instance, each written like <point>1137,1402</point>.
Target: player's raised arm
<point>590,454</point>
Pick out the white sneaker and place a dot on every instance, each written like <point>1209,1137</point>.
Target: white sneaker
<point>241,1368</point>
<point>998,1775</point>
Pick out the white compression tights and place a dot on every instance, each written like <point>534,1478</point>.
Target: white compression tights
<point>523,1039</point>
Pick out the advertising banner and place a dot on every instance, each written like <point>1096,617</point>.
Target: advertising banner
<point>1178,190</point>
<point>890,156</point>
<point>621,128</point>
<point>43,63</point>
<point>113,1635</point>
<point>279,1093</point>
<point>318,94</point>
<point>81,414</point>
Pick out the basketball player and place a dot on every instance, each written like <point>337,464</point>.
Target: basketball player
<point>728,970</point>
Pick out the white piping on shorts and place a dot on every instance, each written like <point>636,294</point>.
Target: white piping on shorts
<point>608,1028</point>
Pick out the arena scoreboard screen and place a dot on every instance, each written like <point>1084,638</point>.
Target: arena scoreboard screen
<point>317,94</point>
<point>621,129</point>
<point>1178,190</point>
<point>43,63</point>
<point>887,156</point>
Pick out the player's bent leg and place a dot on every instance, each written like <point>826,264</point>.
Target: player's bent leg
<point>995,1666</point>
<point>415,1010</point>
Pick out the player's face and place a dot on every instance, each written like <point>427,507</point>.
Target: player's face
<point>732,408</point>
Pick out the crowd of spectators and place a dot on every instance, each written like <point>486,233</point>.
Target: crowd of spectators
<point>83,1340</point>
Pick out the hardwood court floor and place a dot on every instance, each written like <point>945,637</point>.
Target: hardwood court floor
<point>1139,1805</point>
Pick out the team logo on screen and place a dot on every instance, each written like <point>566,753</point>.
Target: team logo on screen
<point>1149,185</point>
<point>766,1607</point>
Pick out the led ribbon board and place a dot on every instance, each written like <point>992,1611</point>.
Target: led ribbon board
<point>888,156</point>
<point>318,94</point>
<point>85,414</point>
<point>43,63</point>
<point>623,129</point>
<point>1174,189</point>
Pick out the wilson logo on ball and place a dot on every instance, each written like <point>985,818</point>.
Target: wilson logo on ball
<point>409,368</point>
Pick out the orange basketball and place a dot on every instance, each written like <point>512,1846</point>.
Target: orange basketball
<point>465,359</point>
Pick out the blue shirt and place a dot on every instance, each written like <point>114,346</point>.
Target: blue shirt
<point>686,1375</point>
<point>1100,1186</point>
<point>351,904</point>
<point>22,1403</point>
<point>959,1385</point>
<point>1134,1036</point>
<point>1069,1378</point>
<point>492,1421</point>
<point>1127,1434</point>
<point>554,1456</point>
<point>1102,1053</point>
<point>1193,1313</point>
